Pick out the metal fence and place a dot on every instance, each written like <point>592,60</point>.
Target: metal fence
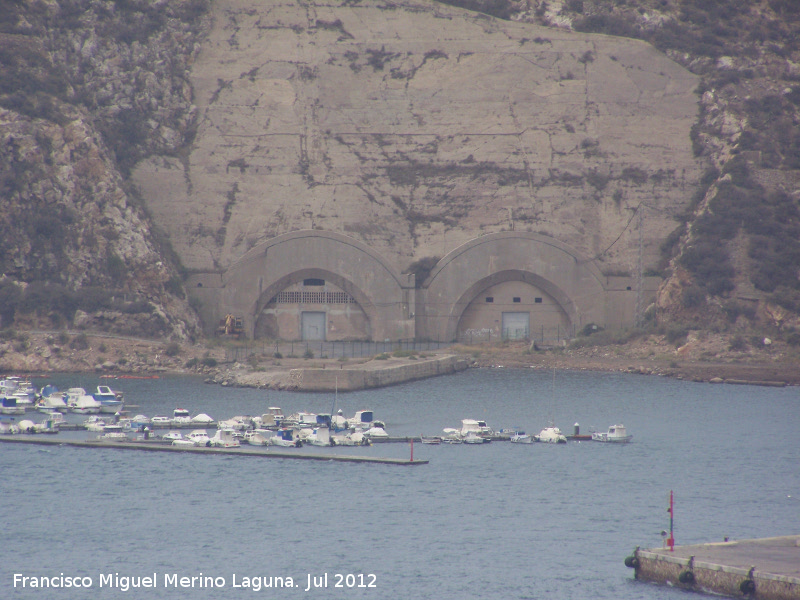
<point>546,336</point>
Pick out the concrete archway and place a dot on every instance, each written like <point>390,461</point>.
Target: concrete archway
<point>385,296</point>
<point>572,281</point>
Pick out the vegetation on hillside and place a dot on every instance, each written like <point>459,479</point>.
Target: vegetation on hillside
<point>87,88</point>
<point>747,130</point>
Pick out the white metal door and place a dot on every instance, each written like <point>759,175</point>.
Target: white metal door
<point>516,325</point>
<point>313,325</point>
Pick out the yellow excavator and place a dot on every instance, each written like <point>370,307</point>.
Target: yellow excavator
<point>231,326</point>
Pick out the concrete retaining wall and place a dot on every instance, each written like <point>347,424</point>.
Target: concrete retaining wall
<point>713,578</point>
<point>324,380</point>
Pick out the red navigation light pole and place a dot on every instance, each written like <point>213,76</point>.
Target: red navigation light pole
<point>670,510</point>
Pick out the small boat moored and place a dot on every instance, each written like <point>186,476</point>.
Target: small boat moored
<point>615,433</point>
<point>551,435</point>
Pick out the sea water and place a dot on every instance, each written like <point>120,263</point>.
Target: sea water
<point>497,520</point>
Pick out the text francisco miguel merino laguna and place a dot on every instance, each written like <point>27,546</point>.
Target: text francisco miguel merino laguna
<point>124,583</point>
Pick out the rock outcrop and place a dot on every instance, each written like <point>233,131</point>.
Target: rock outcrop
<point>415,127</point>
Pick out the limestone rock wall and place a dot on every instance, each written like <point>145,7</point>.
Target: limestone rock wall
<point>416,127</point>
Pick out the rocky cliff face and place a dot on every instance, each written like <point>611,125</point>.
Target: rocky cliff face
<point>86,89</point>
<point>141,137</point>
<point>732,260</point>
<point>416,127</point>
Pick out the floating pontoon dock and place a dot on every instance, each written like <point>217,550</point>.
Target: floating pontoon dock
<point>767,568</point>
<point>238,451</point>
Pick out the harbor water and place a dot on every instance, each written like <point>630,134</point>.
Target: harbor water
<point>497,520</point>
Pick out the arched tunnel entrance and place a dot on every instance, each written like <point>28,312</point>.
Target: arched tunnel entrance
<point>515,308</point>
<point>313,305</point>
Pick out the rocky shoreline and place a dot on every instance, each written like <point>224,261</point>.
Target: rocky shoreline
<point>702,358</point>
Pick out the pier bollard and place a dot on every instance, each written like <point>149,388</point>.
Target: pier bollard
<point>632,561</point>
<point>687,576</point>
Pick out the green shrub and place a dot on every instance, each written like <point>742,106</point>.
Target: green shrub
<point>590,329</point>
<point>693,296</point>
<point>172,349</point>
<point>309,353</point>
<point>79,342</point>
<point>786,297</point>
<point>676,334</point>
<point>737,343</point>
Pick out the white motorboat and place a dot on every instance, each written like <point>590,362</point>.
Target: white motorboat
<point>361,421</point>
<point>95,423</point>
<point>615,433</point>
<point>321,436</point>
<point>53,403</point>
<point>286,439</point>
<point>224,438</point>
<point>8,385</point>
<point>300,419</point>
<point>187,443</point>
<point>452,436</point>
<point>270,419</point>
<point>255,438</point>
<point>433,440</point>
<point>551,435</point>
<point>56,418</point>
<point>237,423</point>
<point>520,437</point>
<point>81,403</point>
<point>198,437</point>
<point>172,436</point>
<point>160,421</point>
<point>354,438</point>
<point>476,426</point>
<point>22,391</point>
<point>7,428</point>
<point>339,422</point>
<point>110,401</point>
<point>9,406</point>
<point>27,426</point>
<point>376,431</point>
<point>472,437</point>
<point>86,405</point>
<point>52,400</point>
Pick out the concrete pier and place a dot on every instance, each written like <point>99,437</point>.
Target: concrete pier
<point>767,568</point>
<point>374,374</point>
<point>239,451</point>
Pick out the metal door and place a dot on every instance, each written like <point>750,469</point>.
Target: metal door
<point>516,325</point>
<point>313,325</point>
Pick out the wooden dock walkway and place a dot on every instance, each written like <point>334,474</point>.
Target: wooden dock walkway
<point>767,568</point>
<point>238,451</point>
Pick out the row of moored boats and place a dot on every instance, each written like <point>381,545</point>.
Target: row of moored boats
<point>474,431</point>
<point>18,396</point>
